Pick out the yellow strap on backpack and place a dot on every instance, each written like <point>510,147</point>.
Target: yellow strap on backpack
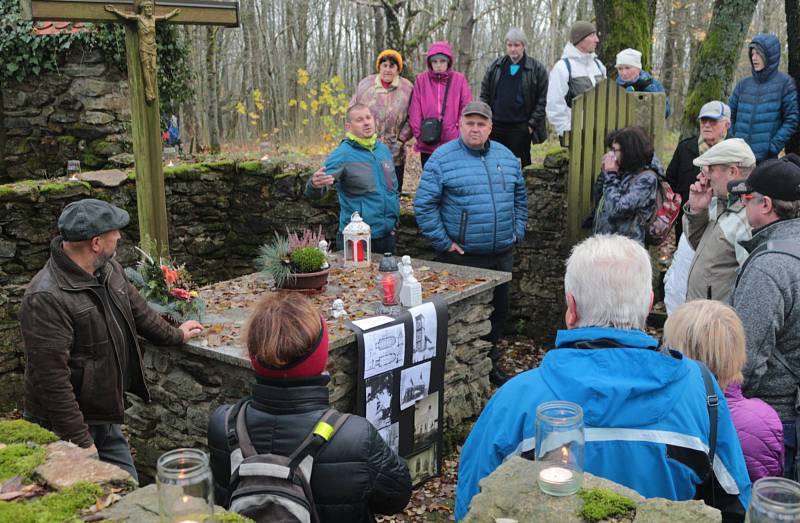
<point>324,430</point>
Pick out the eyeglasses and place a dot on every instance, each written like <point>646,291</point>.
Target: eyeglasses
<point>747,198</point>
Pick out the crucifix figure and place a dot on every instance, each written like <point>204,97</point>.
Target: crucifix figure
<point>146,24</point>
<point>140,47</point>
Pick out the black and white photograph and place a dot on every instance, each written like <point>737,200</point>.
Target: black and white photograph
<point>384,350</point>
<point>414,384</point>
<point>422,465</point>
<point>424,321</point>
<point>379,400</point>
<point>391,435</point>
<point>426,420</point>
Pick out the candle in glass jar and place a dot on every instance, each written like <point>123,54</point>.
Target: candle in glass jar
<point>556,475</point>
<point>389,286</point>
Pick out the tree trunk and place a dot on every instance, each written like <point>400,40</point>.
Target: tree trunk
<point>623,24</point>
<point>792,8</point>
<point>211,79</point>
<point>713,71</point>
<point>466,27</point>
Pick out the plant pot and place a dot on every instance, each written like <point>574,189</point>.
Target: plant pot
<point>306,281</point>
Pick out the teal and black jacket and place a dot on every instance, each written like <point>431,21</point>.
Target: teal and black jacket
<point>365,182</point>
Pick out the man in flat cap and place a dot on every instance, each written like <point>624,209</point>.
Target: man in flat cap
<point>472,205</point>
<point>80,319</point>
<point>713,225</point>
<point>515,87</point>
<point>767,292</point>
<point>578,71</point>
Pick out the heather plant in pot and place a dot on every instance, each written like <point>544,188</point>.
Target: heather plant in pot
<point>295,261</point>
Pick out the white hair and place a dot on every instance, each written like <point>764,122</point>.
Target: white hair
<point>610,277</point>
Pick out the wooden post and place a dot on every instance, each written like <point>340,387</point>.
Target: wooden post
<point>150,197</point>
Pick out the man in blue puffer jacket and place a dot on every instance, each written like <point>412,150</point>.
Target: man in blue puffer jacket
<point>472,205</point>
<point>764,109</point>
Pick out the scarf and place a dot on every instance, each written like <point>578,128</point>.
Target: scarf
<point>366,143</point>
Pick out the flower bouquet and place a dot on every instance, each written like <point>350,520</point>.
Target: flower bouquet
<point>167,288</point>
<point>295,262</point>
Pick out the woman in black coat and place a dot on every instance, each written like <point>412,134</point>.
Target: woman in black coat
<point>356,475</point>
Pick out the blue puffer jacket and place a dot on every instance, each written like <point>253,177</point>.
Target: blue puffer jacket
<point>764,108</point>
<point>476,199</point>
<point>365,182</point>
<point>645,83</point>
<point>645,415</point>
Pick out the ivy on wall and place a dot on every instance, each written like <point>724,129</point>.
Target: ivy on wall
<point>23,54</point>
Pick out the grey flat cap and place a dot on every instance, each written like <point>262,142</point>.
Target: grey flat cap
<point>479,108</point>
<point>85,219</point>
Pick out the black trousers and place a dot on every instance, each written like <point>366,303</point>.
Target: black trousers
<point>500,261</point>
<point>399,171</point>
<point>516,137</point>
<point>423,158</point>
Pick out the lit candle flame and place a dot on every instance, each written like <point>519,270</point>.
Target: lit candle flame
<point>185,499</point>
<point>564,455</point>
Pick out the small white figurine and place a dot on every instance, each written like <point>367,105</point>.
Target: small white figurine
<point>323,247</point>
<point>411,291</point>
<point>337,309</point>
<point>405,266</point>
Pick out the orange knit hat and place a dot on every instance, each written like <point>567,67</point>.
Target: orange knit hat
<point>394,54</point>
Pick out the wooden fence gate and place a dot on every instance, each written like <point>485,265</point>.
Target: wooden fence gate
<point>604,108</point>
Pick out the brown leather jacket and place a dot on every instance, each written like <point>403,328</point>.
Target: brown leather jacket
<point>73,375</point>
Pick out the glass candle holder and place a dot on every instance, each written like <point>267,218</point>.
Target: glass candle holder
<point>559,447</point>
<point>185,488</point>
<point>774,500</point>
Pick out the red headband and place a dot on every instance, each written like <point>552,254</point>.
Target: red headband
<point>312,364</point>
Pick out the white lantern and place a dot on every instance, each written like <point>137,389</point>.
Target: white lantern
<point>357,248</point>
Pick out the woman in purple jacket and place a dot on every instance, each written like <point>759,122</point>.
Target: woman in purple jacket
<point>711,332</point>
<point>428,97</point>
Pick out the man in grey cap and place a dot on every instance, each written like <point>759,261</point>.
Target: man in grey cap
<point>713,225</point>
<point>515,87</point>
<point>766,295</point>
<point>472,205</point>
<point>80,319</point>
<point>578,71</point>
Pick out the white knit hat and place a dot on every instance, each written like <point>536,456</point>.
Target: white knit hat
<point>629,57</point>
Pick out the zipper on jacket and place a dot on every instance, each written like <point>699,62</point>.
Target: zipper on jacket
<point>462,232</point>
<point>494,205</point>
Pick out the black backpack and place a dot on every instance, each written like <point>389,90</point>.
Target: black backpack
<point>270,487</point>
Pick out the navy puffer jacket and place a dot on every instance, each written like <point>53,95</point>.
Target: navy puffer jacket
<point>475,198</point>
<point>764,109</point>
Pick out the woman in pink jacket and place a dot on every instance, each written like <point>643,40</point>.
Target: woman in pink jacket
<point>711,332</point>
<point>428,97</point>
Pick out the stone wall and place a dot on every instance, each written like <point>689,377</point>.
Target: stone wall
<point>220,213</point>
<point>187,387</point>
<point>81,112</point>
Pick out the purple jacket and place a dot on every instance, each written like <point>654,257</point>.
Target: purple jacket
<point>426,99</point>
<point>760,432</point>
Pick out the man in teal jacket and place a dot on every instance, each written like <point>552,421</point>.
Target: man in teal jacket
<point>473,206</point>
<point>646,409</point>
<point>363,170</point>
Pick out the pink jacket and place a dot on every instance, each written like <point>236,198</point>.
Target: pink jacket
<point>760,432</point>
<point>426,99</point>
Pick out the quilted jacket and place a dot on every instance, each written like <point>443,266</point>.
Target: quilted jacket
<point>760,432</point>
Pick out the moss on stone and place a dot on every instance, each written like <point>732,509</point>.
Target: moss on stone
<point>221,164</point>
<point>232,517</point>
<point>67,139</point>
<point>21,431</point>
<point>19,460</point>
<point>253,167</point>
<point>89,159</point>
<point>185,170</point>
<point>59,187</point>
<point>58,506</point>
<point>600,504</point>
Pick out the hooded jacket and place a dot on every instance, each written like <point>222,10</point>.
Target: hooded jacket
<point>74,360</point>
<point>647,84</point>
<point>715,234</point>
<point>767,299</point>
<point>627,202</point>
<point>389,106</point>
<point>760,433</point>
<point>645,415</point>
<point>428,95</point>
<point>587,70</point>
<point>764,110</point>
<point>476,199</point>
<point>354,477</point>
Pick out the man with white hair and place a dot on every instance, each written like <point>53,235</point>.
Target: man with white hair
<point>515,87</point>
<point>714,226</point>
<point>647,410</point>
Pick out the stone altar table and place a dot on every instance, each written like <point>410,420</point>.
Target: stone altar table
<point>188,382</point>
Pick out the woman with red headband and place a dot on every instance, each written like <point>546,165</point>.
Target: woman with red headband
<point>356,475</point>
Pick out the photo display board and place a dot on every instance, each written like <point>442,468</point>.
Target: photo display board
<point>401,382</point>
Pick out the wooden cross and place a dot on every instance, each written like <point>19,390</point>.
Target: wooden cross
<point>139,18</point>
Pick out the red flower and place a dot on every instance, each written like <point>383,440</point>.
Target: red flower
<point>181,294</point>
<point>169,275</point>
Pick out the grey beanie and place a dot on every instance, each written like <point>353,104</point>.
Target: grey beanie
<point>580,30</point>
<point>515,34</point>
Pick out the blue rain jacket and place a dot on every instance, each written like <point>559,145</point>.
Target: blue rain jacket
<point>646,83</point>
